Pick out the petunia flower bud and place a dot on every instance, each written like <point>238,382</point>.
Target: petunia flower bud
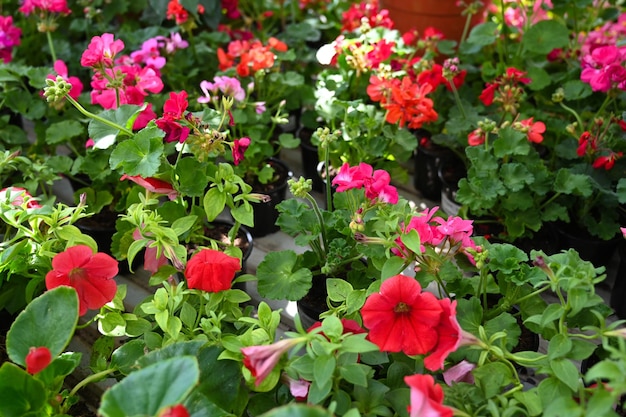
<point>37,359</point>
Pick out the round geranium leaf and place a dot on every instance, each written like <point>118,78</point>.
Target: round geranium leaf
<point>545,36</point>
<point>49,320</point>
<point>280,278</point>
<point>148,390</point>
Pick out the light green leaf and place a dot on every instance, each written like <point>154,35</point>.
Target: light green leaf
<point>49,320</point>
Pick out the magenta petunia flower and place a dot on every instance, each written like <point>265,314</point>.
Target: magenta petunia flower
<point>10,36</point>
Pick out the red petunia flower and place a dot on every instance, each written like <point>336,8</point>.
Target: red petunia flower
<point>91,275</point>
<point>401,318</point>
<point>37,359</point>
<point>211,270</point>
<point>153,185</point>
<point>450,336</point>
<point>426,397</point>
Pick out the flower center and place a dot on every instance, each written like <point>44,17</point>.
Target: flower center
<point>76,273</point>
<point>401,308</point>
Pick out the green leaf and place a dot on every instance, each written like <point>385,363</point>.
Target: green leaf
<point>213,202</point>
<point>140,155</point>
<point>544,36</point>
<point>99,131</point>
<point>483,34</point>
<point>493,377</point>
<point>63,131</point>
<point>559,346</point>
<point>392,266</point>
<point>20,393</point>
<point>183,224</point>
<point>280,279</point>
<point>355,373</point>
<point>338,289</point>
<point>576,90</point>
<point>192,178</point>
<point>576,184</point>
<point>298,410</point>
<point>49,320</point>
<point>566,372</point>
<point>148,390</point>
<point>124,357</point>
<point>412,241</point>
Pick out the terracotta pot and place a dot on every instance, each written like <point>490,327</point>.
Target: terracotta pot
<point>443,15</point>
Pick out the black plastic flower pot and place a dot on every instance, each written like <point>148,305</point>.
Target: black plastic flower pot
<point>266,214</point>
<point>428,159</point>
<point>310,159</point>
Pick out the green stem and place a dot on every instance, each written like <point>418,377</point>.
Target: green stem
<point>51,46</point>
<point>569,109</point>
<point>93,116</point>
<point>320,219</point>
<point>457,99</point>
<point>91,378</point>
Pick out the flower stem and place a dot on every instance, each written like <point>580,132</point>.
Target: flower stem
<point>91,378</point>
<point>93,116</point>
<point>51,46</point>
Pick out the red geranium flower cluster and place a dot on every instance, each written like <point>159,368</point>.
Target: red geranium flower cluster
<point>248,57</point>
<point>505,90</point>
<point>405,100</point>
<point>590,145</point>
<point>173,112</point>
<point>370,10</point>
<point>11,37</point>
<point>121,80</point>
<point>453,233</point>
<point>402,318</point>
<point>176,12</point>
<point>376,183</point>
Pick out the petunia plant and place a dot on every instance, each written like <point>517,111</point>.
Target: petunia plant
<point>32,235</point>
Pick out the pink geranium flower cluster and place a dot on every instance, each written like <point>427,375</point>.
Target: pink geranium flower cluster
<point>10,37</point>
<point>376,183</point>
<point>604,68</point>
<point>454,232</point>
<point>43,7</point>
<point>118,80</point>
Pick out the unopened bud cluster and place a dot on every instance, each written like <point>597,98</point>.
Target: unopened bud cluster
<point>56,89</point>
